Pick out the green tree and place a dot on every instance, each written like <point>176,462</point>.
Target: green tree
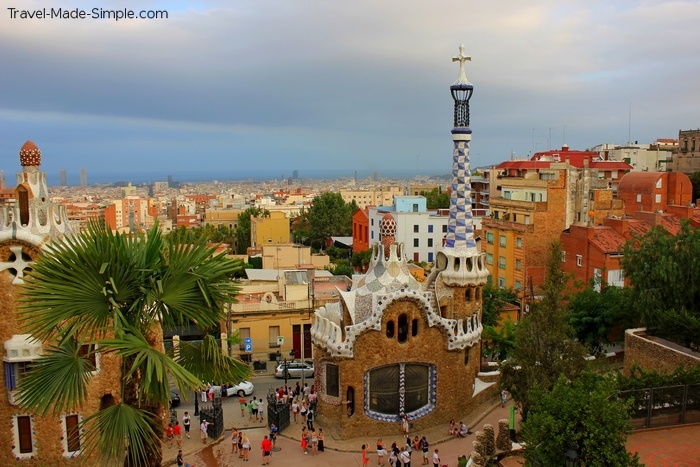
<point>600,317</point>
<point>343,268</point>
<point>360,259</point>
<point>435,199</point>
<point>300,227</point>
<point>500,341</point>
<point>584,415</point>
<point>111,293</point>
<point>695,180</point>
<point>243,230</point>
<point>496,300</point>
<point>330,215</point>
<point>211,233</point>
<point>545,347</point>
<point>664,272</point>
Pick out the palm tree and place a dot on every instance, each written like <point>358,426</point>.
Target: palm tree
<point>99,292</point>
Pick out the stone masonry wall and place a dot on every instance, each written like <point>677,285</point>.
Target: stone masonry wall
<point>47,431</point>
<point>455,378</point>
<point>654,355</point>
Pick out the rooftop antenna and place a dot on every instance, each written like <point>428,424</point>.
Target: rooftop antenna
<point>629,126</point>
<point>549,142</point>
<point>563,139</point>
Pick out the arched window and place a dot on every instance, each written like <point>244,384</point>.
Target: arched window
<point>403,328</point>
<point>414,327</point>
<point>350,397</point>
<point>390,329</point>
<point>404,388</point>
<point>23,195</point>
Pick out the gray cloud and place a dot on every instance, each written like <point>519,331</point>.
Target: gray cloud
<point>309,85</point>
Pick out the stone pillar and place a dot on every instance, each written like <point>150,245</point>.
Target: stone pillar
<point>490,440</point>
<point>480,443</point>
<point>503,442</point>
<point>478,460</point>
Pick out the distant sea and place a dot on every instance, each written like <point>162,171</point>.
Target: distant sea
<point>138,178</point>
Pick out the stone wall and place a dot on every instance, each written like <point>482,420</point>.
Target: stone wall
<point>48,431</point>
<point>653,353</point>
<point>454,384</point>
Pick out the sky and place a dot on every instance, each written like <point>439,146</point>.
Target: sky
<point>272,86</point>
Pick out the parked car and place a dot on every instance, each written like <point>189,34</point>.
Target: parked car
<point>294,369</point>
<point>174,399</point>
<point>244,388</point>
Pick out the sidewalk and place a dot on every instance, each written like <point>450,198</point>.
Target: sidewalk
<point>338,452</point>
<point>658,447</point>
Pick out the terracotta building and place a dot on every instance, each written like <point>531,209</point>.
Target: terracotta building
<point>654,191</point>
<point>539,198</point>
<point>26,228</point>
<point>360,230</point>
<point>596,252</point>
<point>394,347</point>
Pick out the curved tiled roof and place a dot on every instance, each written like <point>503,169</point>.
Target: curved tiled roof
<point>639,182</point>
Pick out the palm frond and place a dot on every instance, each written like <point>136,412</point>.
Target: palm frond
<point>57,381</point>
<point>120,430</point>
<point>208,363</point>
<point>153,367</point>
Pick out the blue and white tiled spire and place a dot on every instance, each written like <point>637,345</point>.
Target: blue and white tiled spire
<point>460,259</point>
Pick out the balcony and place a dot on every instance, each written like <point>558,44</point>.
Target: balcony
<point>501,224</point>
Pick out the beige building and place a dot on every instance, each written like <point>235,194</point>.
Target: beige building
<point>292,256</point>
<point>687,159</point>
<point>274,310</point>
<point>226,217</point>
<point>383,196</point>
<point>269,230</point>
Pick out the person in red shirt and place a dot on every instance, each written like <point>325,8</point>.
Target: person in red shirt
<point>169,435</point>
<point>177,431</point>
<point>266,447</point>
<point>365,459</point>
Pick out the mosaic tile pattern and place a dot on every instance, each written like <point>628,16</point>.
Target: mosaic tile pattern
<point>460,230</point>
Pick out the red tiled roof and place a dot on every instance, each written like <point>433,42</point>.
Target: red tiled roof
<point>671,223</point>
<point>637,227</point>
<point>639,182</point>
<point>607,240</point>
<point>610,165</point>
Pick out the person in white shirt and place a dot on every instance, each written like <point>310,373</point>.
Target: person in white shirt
<point>436,459</point>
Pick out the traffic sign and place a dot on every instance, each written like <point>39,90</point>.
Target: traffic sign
<point>280,340</point>
<point>248,344</point>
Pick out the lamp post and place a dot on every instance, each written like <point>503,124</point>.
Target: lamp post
<point>571,458</point>
<point>196,404</point>
<point>286,367</point>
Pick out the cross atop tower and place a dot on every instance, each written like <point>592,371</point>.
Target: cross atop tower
<point>461,58</point>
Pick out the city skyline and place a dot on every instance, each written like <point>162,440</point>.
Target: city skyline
<point>271,88</point>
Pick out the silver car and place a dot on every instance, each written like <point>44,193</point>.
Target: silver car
<point>294,369</point>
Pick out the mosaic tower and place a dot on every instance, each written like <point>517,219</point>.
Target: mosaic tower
<point>460,260</point>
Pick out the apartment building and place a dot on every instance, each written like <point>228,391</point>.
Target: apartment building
<point>687,159</point>
<point>541,197</point>
<point>420,230</point>
<point>382,196</point>
<point>272,229</point>
<point>653,157</point>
